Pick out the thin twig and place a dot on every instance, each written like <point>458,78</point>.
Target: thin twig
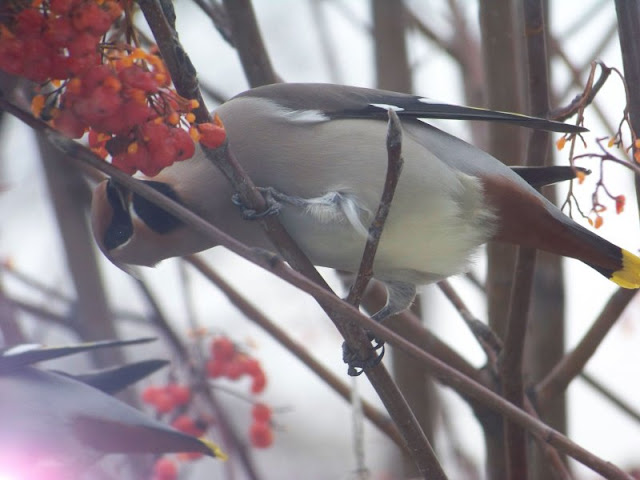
<point>430,463</point>
<point>198,378</point>
<point>490,343</point>
<point>609,395</point>
<point>182,71</point>
<point>558,379</point>
<point>394,167</point>
<point>249,45</point>
<point>382,421</point>
<point>219,17</point>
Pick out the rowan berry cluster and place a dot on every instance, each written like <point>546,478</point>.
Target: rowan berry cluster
<point>172,400</point>
<point>118,93</point>
<point>226,361</point>
<point>53,39</point>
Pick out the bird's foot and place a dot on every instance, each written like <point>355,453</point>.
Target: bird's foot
<point>273,205</point>
<point>357,364</point>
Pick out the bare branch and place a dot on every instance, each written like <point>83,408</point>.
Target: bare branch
<point>572,364</point>
<point>249,44</point>
<point>394,167</point>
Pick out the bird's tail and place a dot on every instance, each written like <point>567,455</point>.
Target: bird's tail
<point>628,276</point>
<point>570,239</point>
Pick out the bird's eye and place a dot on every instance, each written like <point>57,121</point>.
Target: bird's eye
<point>153,216</point>
<point>120,230</point>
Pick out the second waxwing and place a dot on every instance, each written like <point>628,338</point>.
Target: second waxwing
<point>53,422</point>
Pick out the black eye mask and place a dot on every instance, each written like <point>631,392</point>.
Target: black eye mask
<point>120,229</point>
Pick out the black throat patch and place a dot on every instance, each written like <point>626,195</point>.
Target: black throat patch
<point>153,216</point>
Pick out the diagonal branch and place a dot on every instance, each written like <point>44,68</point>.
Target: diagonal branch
<point>249,44</point>
<point>572,364</point>
<point>382,421</point>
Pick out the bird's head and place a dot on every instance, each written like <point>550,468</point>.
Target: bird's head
<point>131,230</point>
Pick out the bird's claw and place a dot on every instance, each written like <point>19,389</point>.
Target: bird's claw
<point>356,364</point>
<point>273,206</point>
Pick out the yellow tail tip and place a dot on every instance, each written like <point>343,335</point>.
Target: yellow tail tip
<point>214,449</point>
<point>629,275</point>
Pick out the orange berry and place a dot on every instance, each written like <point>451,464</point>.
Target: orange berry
<point>173,118</point>
<point>194,134</point>
<point>37,104</point>
<point>561,142</point>
<point>211,135</point>
<point>620,202</point>
<point>598,222</point>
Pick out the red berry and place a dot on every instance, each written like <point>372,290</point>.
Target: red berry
<point>165,469</point>
<point>135,77</point>
<point>29,23</point>
<point>11,54</point>
<point>183,145</point>
<point>252,367</point>
<point>62,7</point>
<point>233,370</point>
<point>261,412</point>
<point>69,124</point>
<point>181,394</point>
<point>258,383</point>
<point>60,32</point>
<point>80,64</point>
<point>261,435</point>
<point>134,113</point>
<point>150,393</point>
<point>84,44</point>
<point>164,402</point>
<point>222,349</point>
<point>101,103</point>
<point>215,368</point>
<point>36,60</point>
<point>91,18</point>
<point>190,456</point>
<point>186,424</point>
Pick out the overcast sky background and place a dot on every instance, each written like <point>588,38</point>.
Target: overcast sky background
<point>315,440</point>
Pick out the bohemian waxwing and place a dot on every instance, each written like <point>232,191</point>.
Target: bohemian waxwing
<point>52,421</point>
<point>320,149</point>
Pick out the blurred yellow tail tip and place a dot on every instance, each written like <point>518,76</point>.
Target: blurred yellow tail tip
<point>214,449</point>
<point>629,276</point>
